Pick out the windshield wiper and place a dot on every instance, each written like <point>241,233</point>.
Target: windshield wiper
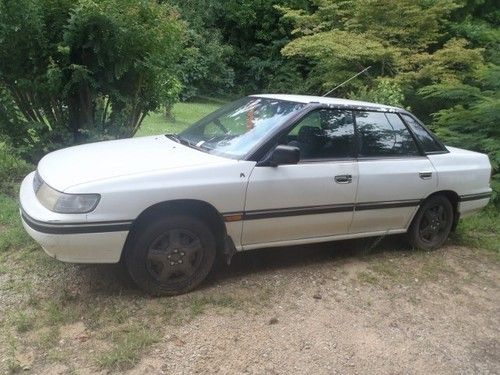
<point>173,137</point>
<point>184,141</point>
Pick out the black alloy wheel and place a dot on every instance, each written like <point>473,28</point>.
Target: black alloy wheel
<point>171,255</point>
<point>174,255</point>
<point>432,223</point>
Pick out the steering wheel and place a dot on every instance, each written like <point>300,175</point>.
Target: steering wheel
<point>220,126</point>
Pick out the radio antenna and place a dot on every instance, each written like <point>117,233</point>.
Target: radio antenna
<point>343,83</point>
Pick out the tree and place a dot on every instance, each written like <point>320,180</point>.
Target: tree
<point>440,59</point>
<point>256,32</point>
<point>205,64</point>
<point>342,37</point>
<point>87,69</point>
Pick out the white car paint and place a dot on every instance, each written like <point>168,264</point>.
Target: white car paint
<point>134,174</point>
<point>112,159</point>
<point>465,172</point>
<point>292,186</point>
<point>392,179</point>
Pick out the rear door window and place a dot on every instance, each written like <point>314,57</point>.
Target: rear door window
<point>383,134</point>
<point>428,143</point>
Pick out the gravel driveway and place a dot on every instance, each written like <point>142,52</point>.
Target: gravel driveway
<point>347,308</point>
<point>334,312</point>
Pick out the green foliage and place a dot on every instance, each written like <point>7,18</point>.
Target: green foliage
<point>256,33</point>
<point>341,37</point>
<point>385,90</point>
<point>440,59</point>
<point>480,231</point>
<point>205,64</point>
<point>12,169</point>
<point>79,70</point>
<point>127,347</point>
<point>73,71</point>
<point>12,233</point>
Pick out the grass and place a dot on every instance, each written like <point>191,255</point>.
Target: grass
<point>198,304</point>
<point>127,347</point>
<point>480,231</point>
<point>22,321</point>
<point>13,234</point>
<point>365,277</point>
<point>184,115</point>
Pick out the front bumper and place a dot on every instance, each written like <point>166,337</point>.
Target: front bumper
<point>72,240</point>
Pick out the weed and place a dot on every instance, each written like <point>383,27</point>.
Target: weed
<point>54,313</point>
<point>385,268</point>
<point>367,278</point>
<point>13,365</point>
<point>480,231</point>
<point>127,347</point>
<point>22,321</point>
<point>48,338</point>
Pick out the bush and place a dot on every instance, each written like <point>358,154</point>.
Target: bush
<point>12,169</point>
<point>85,69</point>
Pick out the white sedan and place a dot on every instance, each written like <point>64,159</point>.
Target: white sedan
<point>264,171</point>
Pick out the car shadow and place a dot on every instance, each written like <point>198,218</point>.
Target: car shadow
<point>289,257</point>
<point>113,279</point>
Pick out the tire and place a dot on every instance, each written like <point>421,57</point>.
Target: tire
<point>171,256</point>
<point>432,223</point>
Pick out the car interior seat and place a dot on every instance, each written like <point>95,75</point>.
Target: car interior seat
<point>310,141</point>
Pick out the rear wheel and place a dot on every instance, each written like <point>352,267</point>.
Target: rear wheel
<point>172,255</point>
<point>432,223</point>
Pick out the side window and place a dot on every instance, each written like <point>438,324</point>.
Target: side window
<point>323,134</point>
<point>312,120</point>
<point>383,134</point>
<point>428,143</point>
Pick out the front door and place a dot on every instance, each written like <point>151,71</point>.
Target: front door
<point>314,198</point>
<point>393,176</point>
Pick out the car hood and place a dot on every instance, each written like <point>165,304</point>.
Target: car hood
<point>103,160</point>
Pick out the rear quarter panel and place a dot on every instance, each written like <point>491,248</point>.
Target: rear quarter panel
<point>466,173</point>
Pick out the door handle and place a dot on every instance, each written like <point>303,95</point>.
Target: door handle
<point>425,175</point>
<point>343,179</point>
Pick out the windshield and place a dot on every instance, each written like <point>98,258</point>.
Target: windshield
<point>238,127</point>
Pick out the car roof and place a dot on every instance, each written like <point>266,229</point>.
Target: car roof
<point>334,102</point>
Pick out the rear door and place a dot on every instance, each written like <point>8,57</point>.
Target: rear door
<point>393,175</point>
<point>312,199</point>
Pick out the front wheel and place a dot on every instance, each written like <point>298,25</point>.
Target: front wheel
<point>171,255</point>
<point>432,223</point>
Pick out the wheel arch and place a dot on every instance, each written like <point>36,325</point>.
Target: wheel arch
<point>197,208</point>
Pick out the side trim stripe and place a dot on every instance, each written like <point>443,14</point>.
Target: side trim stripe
<point>316,210</point>
<point>296,211</point>
<point>76,228</point>
<point>119,226</point>
<point>473,197</point>
<point>391,204</point>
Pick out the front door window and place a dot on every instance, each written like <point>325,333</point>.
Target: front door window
<point>323,134</point>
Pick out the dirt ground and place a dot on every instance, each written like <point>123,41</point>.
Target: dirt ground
<point>335,308</point>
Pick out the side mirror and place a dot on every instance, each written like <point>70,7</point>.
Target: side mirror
<point>283,155</point>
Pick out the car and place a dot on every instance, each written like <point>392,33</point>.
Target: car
<point>263,171</point>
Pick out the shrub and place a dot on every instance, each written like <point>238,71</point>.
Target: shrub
<point>85,69</point>
<point>12,169</point>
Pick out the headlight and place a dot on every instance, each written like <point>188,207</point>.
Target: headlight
<point>63,203</point>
